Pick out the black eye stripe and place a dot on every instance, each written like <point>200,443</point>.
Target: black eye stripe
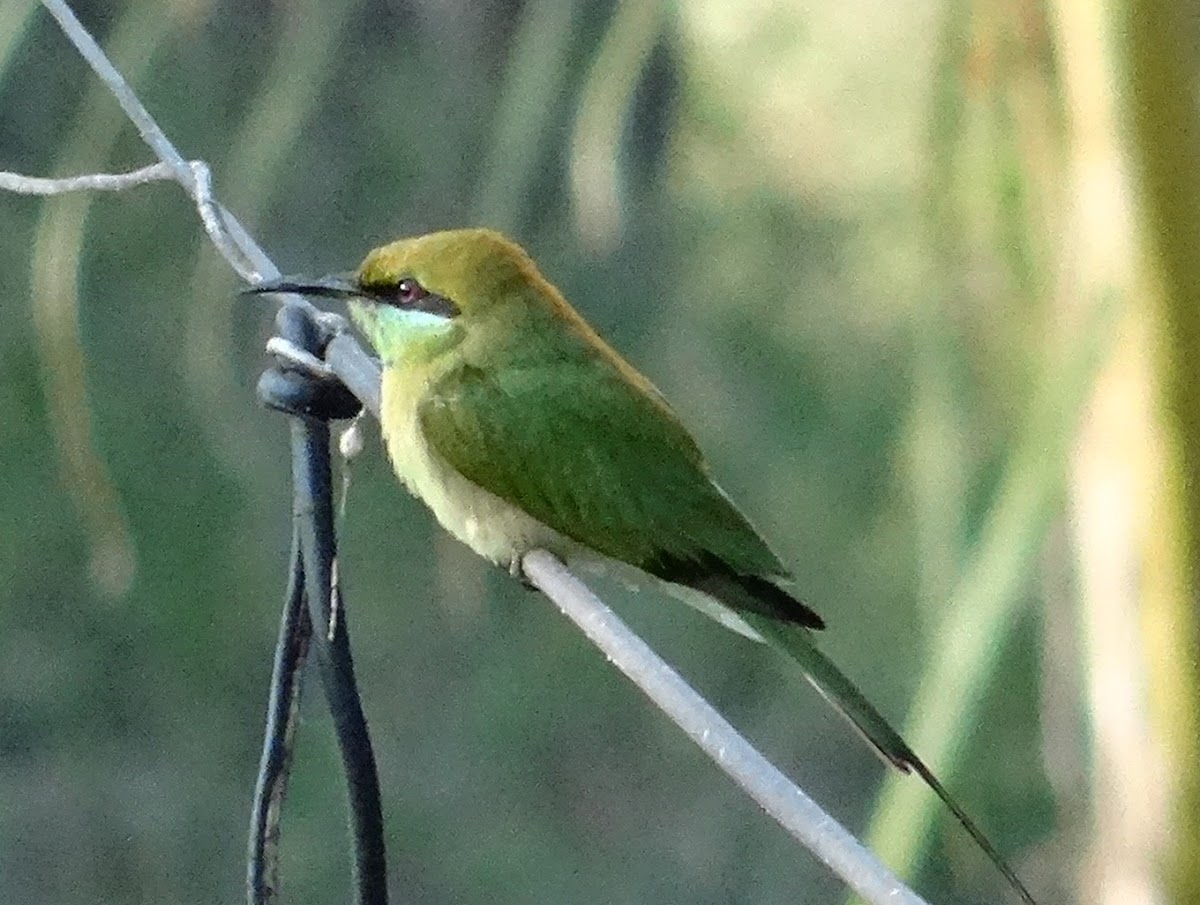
<point>409,294</point>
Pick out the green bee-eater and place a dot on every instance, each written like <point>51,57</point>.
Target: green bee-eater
<point>506,413</point>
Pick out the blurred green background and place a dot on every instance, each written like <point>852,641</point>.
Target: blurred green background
<point>920,278</point>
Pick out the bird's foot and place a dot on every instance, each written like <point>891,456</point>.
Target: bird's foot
<point>517,571</point>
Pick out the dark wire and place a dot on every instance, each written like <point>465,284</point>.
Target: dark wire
<point>291,651</point>
<point>314,554</point>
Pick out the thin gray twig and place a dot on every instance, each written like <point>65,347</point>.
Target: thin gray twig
<point>227,234</point>
<point>91,182</point>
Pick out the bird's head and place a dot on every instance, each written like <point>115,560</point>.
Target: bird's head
<point>426,291</point>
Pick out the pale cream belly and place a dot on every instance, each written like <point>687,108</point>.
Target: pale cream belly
<point>492,527</point>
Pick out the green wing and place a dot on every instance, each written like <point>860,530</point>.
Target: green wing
<point>584,450</point>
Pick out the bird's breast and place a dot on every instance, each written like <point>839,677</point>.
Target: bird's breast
<point>491,526</point>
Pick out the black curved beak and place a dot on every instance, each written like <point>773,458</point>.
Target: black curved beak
<point>333,285</point>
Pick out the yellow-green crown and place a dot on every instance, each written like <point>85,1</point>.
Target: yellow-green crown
<point>469,266</point>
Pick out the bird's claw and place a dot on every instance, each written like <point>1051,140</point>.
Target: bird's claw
<point>516,570</point>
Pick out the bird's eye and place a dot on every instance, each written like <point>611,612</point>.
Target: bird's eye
<point>409,291</point>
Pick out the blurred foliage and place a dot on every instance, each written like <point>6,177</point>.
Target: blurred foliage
<point>1161,101</point>
<point>853,250</point>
